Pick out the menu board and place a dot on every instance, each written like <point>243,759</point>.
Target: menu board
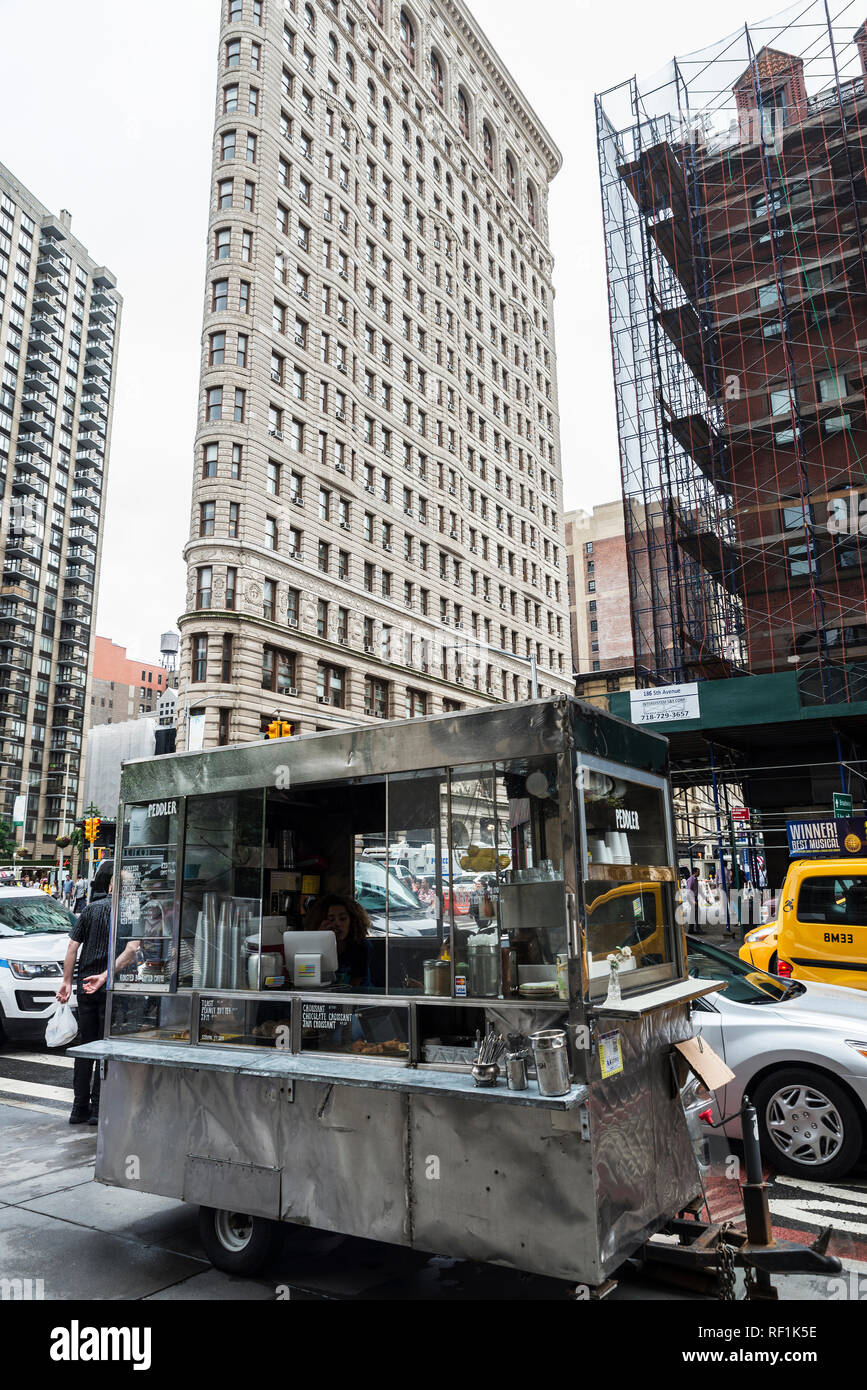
<point>364,1030</point>
<point>245,1023</point>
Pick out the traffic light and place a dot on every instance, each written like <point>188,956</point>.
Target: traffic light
<point>279,728</point>
<point>91,828</point>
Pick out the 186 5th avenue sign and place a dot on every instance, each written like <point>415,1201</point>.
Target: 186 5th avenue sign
<point>663,703</point>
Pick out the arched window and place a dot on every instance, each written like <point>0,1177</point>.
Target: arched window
<point>386,110</point>
<point>437,84</point>
<point>488,143</point>
<point>407,38</point>
<point>531,204</point>
<point>371,92</point>
<point>511,186</point>
<point>310,18</point>
<point>333,49</point>
<point>463,113</point>
<point>350,67</point>
<point>375,7</point>
<point>438,173</point>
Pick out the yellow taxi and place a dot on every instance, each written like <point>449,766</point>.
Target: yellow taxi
<point>820,931</point>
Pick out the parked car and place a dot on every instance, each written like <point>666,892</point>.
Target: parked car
<point>799,1050</point>
<point>34,935</point>
<point>374,885</point>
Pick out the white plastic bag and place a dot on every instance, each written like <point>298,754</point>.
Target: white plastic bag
<point>62,1027</point>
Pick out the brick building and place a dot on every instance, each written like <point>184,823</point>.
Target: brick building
<point>123,688</point>
<point>600,620</point>
<point>735,230</point>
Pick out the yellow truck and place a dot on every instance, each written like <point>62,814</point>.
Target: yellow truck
<point>820,932</point>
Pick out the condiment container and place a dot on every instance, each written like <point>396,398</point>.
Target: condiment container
<point>485,1073</point>
<point>552,1066</point>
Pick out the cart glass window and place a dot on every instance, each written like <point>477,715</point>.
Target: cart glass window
<point>146,896</point>
<point>629,878</point>
<point>151,1017</point>
<point>221,925</point>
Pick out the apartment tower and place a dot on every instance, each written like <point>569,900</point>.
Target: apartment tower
<point>59,322</point>
<point>377,525</point>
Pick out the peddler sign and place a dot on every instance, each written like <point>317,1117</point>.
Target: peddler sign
<point>814,838</point>
<point>663,703</point>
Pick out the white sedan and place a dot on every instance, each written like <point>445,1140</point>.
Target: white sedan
<point>798,1050</point>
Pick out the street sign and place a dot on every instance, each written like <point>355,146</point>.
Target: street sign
<point>741,813</point>
<point>842,805</point>
<point>19,810</point>
<point>664,703</point>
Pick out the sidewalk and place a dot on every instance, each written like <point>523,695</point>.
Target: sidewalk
<point>75,1239</point>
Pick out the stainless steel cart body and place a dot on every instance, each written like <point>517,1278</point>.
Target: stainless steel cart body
<point>321,1107</point>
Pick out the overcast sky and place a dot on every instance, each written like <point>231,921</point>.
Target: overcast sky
<point>106,108</point>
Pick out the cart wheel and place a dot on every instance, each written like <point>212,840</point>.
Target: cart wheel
<point>237,1243</point>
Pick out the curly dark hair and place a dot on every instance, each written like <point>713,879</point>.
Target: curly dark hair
<point>359,922</point>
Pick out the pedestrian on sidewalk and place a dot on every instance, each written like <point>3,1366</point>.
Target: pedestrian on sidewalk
<point>91,935</point>
<point>79,896</point>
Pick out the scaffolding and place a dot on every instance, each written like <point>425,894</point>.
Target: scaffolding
<point>734,192</point>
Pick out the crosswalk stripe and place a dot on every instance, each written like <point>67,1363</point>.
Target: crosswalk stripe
<point>845,1194</point>
<point>59,1060</point>
<point>34,1089</point>
<point>26,1105</point>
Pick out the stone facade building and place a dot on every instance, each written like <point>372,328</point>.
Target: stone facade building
<point>59,322</point>
<point>377,525</point>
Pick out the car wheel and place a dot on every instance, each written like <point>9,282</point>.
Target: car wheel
<point>808,1126</point>
<point>4,1037</point>
<point>237,1243</point>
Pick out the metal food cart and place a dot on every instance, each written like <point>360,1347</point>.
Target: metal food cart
<point>349,1106</point>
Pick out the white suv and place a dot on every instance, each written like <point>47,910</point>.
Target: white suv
<point>34,935</point>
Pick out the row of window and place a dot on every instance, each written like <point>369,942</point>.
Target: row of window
<point>450,613</point>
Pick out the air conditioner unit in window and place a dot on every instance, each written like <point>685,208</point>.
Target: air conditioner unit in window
<point>292,622</point>
<point>368,647</point>
<point>326,217</point>
<point>297,501</point>
<point>340,414</point>
<point>368,487</point>
<point>344,641</point>
<point>278,434</point>
<point>322,700</point>
<point>300,340</point>
<point>275,376</point>
<point>453,490</point>
<point>341,318</point>
<point>380,714</point>
<point>302,294</point>
<point>341,367</point>
<point>345,526</point>
<point>296,555</point>
<point>474,550</point>
<point>341,467</point>
<point>291,691</point>
<point>388,548</point>
<point>344,274</point>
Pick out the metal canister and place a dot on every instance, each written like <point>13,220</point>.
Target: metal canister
<point>516,1071</point>
<point>552,1066</point>
<point>438,977</point>
<point>484,966</point>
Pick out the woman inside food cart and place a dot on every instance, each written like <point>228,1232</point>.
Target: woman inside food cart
<point>351,925</point>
